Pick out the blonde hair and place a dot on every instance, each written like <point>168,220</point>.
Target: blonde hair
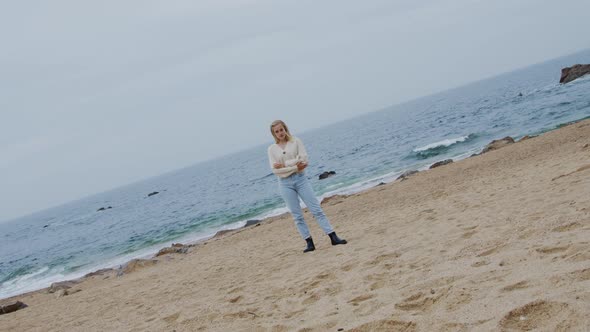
<point>279,122</point>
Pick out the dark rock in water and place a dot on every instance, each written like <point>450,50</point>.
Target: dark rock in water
<point>441,163</point>
<point>380,184</point>
<point>252,222</point>
<point>326,174</point>
<point>101,209</point>
<point>498,143</point>
<point>45,226</point>
<point>153,193</point>
<point>520,94</point>
<point>405,175</point>
<point>569,74</point>
<point>12,307</point>
<point>110,207</point>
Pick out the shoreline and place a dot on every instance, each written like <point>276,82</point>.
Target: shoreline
<point>152,253</point>
<point>476,244</point>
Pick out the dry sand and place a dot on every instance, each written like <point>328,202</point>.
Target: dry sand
<point>500,241</point>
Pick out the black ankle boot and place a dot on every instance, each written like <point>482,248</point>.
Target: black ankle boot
<point>310,246</point>
<point>335,239</point>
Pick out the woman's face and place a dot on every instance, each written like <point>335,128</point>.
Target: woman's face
<point>279,132</point>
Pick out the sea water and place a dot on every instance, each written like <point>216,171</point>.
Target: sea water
<point>194,203</point>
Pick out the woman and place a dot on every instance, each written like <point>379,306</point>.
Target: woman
<point>288,160</point>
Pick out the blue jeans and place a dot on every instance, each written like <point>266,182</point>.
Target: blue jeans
<point>294,187</point>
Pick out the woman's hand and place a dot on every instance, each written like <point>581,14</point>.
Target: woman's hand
<point>301,166</point>
<point>278,165</point>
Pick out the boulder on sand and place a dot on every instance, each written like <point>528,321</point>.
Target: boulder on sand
<point>498,143</point>
<point>405,175</point>
<point>176,248</point>
<point>441,163</point>
<point>57,286</point>
<point>134,265</point>
<point>8,308</point>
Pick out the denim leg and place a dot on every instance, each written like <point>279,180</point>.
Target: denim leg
<point>308,196</point>
<point>291,198</point>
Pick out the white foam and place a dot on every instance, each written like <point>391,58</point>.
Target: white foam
<point>29,282</point>
<point>443,143</point>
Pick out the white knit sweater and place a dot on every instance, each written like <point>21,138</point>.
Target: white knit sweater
<point>293,153</point>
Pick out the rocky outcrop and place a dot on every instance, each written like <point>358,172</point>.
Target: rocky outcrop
<point>405,175</point>
<point>498,143</point>
<point>326,174</point>
<point>441,163</point>
<point>11,307</point>
<point>176,248</point>
<point>102,272</point>
<point>223,232</point>
<point>66,292</point>
<point>62,285</point>
<point>134,265</point>
<point>253,222</point>
<point>569,74</point>
<point>333,200</point>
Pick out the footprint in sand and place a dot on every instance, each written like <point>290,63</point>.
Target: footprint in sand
<point>317,280</point>
<point>348,267</point>
<point>365,305</point>
<point>489,251</point>
<point>468,235</point>
<point>418,302</point>
<point>279,328</point>
<point>459,327</point>
<point>519,285</point>
<point>552,250</point>
<point>377,280</point>
<point>577,276</point>
<point>172,318</point>
<point>568,227</point>
<point>580,169</point>
<point>386,325</point>
<point>236,289</point>
<point>580,275</point>
<point>361,298</point>
<point>579,257</point>
<point>313,298</point>
<point>457,298</point>
<point>550,316</point>
<point>382,258</point>
<point>480,263</point>
<point>235,299</point>
<point>291,314</point>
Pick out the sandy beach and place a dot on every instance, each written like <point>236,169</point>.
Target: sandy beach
<point>499,241</point>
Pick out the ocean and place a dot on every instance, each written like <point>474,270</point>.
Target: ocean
<point>193,203</point>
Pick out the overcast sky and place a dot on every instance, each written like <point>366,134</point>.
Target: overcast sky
<point>97,94</point>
